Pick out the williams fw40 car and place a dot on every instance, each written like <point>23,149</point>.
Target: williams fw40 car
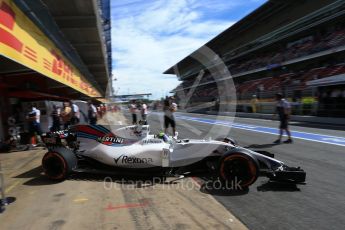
<point>132,150</point>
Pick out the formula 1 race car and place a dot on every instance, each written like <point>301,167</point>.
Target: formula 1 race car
<point>132,150</point>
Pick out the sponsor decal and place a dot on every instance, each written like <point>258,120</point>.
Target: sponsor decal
<point>132,160</point>
<point>106,140</point>
<point>151,141</point>
<point>137,130</point>
<point>22,41</point>
<point>60,132</point>
<point>165,157</point>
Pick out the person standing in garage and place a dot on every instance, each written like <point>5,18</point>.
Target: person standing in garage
<point>56,119</point>
<point>144,112</point>
<point>34,119</point>
<point>75,114</point>
<point>133,110</point>
<point>92,113</point>
<point>66,114</point>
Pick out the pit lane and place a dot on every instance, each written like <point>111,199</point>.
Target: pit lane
<point>317,205</point>
<point>87,201</point>
<point>83,201</point>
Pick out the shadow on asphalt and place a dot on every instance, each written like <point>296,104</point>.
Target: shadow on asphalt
<point>120,179</point>
<point>40,181</point>
<point>127,181</point>
<point>278,187</point>
<point>213,189</point>
<point>261,146</point>
<point>35,172</point>
<point>37,177</point>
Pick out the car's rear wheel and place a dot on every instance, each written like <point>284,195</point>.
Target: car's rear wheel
<point>58,163</point>
<point>238,169</point>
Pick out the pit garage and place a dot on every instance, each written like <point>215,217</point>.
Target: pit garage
<point>51,53</point>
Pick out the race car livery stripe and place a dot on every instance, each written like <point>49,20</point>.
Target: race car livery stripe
<point>90,130</point>
<point>87,136</point>
<point>93,130</point>
<point>101,129</point>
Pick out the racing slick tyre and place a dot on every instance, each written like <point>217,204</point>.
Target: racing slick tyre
<point>237,168</point>
<point>58,163</point>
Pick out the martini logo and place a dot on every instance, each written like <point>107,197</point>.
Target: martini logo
<point>107,140</point>
<point>132,160</point>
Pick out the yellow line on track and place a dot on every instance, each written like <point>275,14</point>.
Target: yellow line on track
<point>79,200</point>
<point>7,190</point>
<point>11,175</point>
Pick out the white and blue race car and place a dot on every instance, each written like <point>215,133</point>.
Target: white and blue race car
<point>132,150</point>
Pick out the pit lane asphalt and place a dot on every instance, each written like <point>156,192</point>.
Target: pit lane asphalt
<point>87,201</point>
<point>319,204</point>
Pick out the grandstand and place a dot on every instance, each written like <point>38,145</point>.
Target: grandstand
<point>283,46</point>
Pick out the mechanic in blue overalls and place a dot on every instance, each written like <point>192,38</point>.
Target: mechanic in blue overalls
<point>283,109</point>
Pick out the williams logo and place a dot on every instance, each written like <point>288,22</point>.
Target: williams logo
<point>106,140</point>
<point>132,160</point>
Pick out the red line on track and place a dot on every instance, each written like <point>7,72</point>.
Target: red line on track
<point>131,205</point>
<point>197,181</point>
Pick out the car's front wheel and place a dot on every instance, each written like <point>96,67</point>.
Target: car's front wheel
<point>238,170</point>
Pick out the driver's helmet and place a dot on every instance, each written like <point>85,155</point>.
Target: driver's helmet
<point>163,136</point>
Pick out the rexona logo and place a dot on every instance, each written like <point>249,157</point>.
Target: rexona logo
<point>132,160</point>
<point>106,140</point>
